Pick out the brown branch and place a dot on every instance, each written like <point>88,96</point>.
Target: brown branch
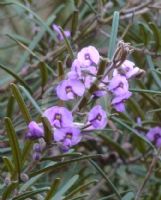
<point>147,177</point>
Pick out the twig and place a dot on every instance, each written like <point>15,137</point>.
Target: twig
<point>149,173</point>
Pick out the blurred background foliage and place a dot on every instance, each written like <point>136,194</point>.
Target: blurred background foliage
<point>32,58</point>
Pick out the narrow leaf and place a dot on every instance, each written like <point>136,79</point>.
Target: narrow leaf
<point>9,165</point>
<point>106,178</point>
<point>43,73</point>
<point>65,188</point>
<point>32,100</point>
<point>48,130</point>
<point>155,76</point>
<point>14,144</point>
<point>131,130</point>
<point>21,103</point>
<point>8,191</point>
<point>62,164</point>
<point>31,194</point>
<point>114,145</point>
<point>13,74</point>
<point>113,35</point>
<point>53,189</point>
<point>10,106</point>
<point>69,48</point>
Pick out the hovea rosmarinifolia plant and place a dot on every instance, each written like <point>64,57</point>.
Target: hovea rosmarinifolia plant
<point>90,78</point>
<point>79,112</point>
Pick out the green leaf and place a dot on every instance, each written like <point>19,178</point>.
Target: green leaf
<point>39,20</point>
<point>30,194</point>
<point>62,164</point>
<point>9,165</point>
<point>29,183</point>
<point>43,73</point>
<point>10,106</point>
<point>114,145</point>
<point>128,196</point>
<point>75,19</point>
<point>65,188</point>
<point>60,70</point>
<point>106,178</point>
<point>157,36</point>
<point>39,36</point>
<point>26,150</point>
<point>16,93</point>
<point>53,189</point>
<point>113,35</point>
<point>8,190</point>
<point>145,91</point>
<point>20,80</point>
<point>14,145</point>
<point>155,76</point>
<point>82,196</point>
<point>145,31</point>
<point>53,158</point>
<point>47,129</point>
<point>69,48</point>
<point>79,189</point>
<point>131,130</point>
<point>136,109</point>
<point>32,100</point>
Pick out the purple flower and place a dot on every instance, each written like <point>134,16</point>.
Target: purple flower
<point>35,131</point>
<point>139,121</point>
<point>83,73</point>
<point>59,34</point>
<point>88,56</point>
<point>36,156</point>
<point>118,85</point>
<point>67,137</point>
<point>118,101</point>
<point>127,69</point>
<point>97,117</point>
<point>154,135</point>
<point>99,93</point>
<point>69,89</point>
<point>59,116</point>
<point>37,148</point>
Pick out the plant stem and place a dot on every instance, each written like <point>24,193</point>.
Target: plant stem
<point>148,175</point>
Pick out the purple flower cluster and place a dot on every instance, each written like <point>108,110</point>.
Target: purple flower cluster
<point>154,135</point>
<point>119,86</point>
<point>82,75</point>
<point>66,132</point>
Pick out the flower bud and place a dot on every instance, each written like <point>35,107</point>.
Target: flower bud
<point>37,147</point>
<point>121,53</point>
<point>36,156</point>
<point>34,131</point>
<point>7,180</point>
<point>24,177</point>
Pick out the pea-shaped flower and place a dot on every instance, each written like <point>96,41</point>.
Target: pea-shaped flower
<point>154,135</point>
<point>80,72</point>
<point>59,34</point>
<point>97,117</point>
<point>59,116</point>
<point>70,89</point>
<point>35,131</point>
<point>67,137</point>
<point>128,69</point>
<point>118,101</point>
<point>118,85</point>
<point>88,56</point>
